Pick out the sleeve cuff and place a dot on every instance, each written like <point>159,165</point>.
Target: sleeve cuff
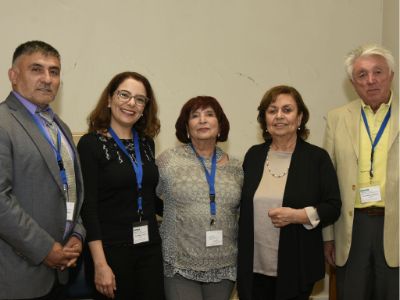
<point>313,217</point>
<point>78,235</point>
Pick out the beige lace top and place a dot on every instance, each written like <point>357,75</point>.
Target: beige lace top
<point>184,189</point>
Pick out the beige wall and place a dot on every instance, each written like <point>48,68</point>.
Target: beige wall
<point>231,49</point>
<point>390,33</point>
<point>234,50</point>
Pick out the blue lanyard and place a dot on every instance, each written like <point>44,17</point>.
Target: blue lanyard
<point>57,150</point>
<point>210,180</point>
<point>377,137</point>
<point>137,166</point>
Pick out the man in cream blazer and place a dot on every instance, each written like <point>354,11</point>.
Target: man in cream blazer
<point>40,229</point>
<point>364,243</point>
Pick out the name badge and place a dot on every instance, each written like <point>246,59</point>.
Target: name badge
<point>214,238</point>
<point>70,211</point>
<point>140,232</point>
<point>370,194</point>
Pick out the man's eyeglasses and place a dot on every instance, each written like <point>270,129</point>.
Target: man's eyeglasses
<point>125,96</point>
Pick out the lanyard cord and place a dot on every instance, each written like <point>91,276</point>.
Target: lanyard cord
<point>210,180</point>
<point>377,137</point>
<point>56,148</point>
<point>137,166</point>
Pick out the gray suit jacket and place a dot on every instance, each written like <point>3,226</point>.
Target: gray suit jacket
<point>32,204</point>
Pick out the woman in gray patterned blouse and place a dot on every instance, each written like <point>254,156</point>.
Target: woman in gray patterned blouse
<point>201,187</point>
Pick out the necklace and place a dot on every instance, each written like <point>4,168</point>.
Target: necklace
<point>272,173</point>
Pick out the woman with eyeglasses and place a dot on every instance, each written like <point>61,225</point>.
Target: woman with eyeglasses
<point>120,177</point>
<point>200,185</point>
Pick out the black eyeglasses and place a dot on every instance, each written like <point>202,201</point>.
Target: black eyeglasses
<point>125,97</point>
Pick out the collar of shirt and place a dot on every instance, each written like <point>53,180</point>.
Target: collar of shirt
<point>383,105</point>
<point>31,107</point>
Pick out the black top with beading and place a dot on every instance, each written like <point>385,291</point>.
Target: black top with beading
<point>110,206</point>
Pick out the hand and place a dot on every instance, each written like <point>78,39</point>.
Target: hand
<point>281,216</point>
<point>329,252</point>
<point>104,280</point>
<point>58,258</point>
<point>74,245</point>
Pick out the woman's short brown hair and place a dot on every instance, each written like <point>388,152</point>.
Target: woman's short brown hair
<point>148,125</point>
<point>270,97</point>
<point>192,105</point>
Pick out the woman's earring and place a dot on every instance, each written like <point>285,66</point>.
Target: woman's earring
<point>188,135</point>
<point>298,128</point>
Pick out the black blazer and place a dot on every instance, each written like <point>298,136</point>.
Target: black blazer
<point>311,181</point>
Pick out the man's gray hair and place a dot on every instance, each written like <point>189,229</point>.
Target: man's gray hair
<point>368,50</point>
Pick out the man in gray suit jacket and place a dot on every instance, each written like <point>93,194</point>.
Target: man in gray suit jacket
<point>40,197</point>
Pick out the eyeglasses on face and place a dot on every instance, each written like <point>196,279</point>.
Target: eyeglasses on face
<point>125,96</point>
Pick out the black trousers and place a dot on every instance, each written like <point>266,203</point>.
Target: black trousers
<point>264,288</point>
<point>138,272</point>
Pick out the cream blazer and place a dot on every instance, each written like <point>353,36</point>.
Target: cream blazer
<point>342,143</point>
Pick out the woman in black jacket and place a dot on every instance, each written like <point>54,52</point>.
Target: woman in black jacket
<point>290,191</point>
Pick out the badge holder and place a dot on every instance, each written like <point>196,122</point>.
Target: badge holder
<point>140,232</point>
<point>214,237</point>
<point>370,192</point>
